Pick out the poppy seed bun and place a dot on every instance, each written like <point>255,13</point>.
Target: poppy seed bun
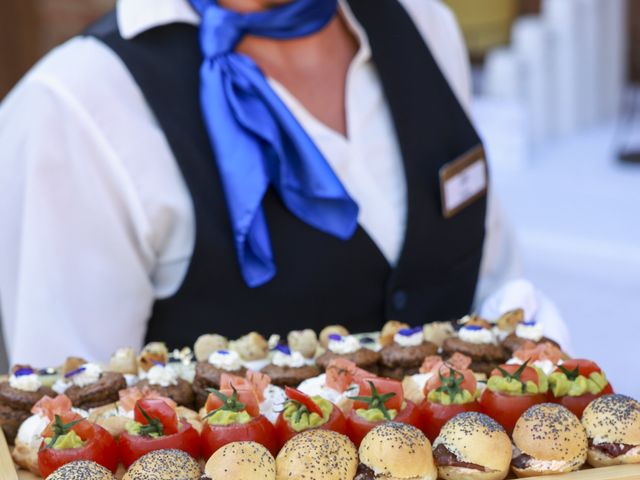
<point>317,455</point>
<point>612,419</point>
<point>477,439</point>
<point>81,470</point>
<point>241,461</point>
<point>398,451</point>
<point>164,465</point>
<point>553,437</point>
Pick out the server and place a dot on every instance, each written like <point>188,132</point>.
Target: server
<point>187,167</point>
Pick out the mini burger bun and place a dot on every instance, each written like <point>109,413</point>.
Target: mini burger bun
<point>81,470</point>
<point>475,438</point>
<point>317,455</point>
<point>241,461</point>
<point>613,419</point>
<point>550,432</point>
<point>398,451</point>
<point>164,465</point>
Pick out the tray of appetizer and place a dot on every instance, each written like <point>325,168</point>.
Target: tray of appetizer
<point>468,399</point>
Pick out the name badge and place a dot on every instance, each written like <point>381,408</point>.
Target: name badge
<point>463,181</point>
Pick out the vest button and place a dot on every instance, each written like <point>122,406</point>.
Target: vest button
<point>400,299</point>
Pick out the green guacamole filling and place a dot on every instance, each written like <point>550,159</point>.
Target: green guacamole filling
<point>299,418</point>
<point>227,417</point>
<point>375,414</point>
<point>443,398</point>
<point>562,386</point>
<point>134,428</point>
<point>66,441</point>
<point>513,386</point>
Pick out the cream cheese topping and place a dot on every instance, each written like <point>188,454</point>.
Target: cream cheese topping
<point>87,374</point>
<point>476,334</point>
<point>317,386</point>
<point>293,359</point>
<point>547,366</point>
<point>530,330</point>
<point>30,432</point>
<point>226,360</point>
<point>26,380</point>
<point>274,398</point>
<point>408,337</point>
<point>162,375</point>
<point>343,345</point>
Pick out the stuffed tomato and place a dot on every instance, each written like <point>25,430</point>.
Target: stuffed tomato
<point>69,438</point>
<point>447,394</point>
<point>156,427</point>
<point>576,383</point>
<point>511,390</point>
<point>302,412</point>
<point>233,415</point>
<point>379,400</point>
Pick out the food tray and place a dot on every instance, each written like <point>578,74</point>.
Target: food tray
<point>622,472</point>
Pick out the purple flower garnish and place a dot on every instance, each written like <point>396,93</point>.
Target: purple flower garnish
<point>407,332</point>
<point>74,372</point>
<point>223,352</point>
<point>155,362</point>
<point>530,323</point>
<point>23,372</point>
<point>335,336</point>
<point>473,328</point>
<point>284,349</point>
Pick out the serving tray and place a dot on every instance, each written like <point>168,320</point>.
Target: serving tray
<point>8,470</point>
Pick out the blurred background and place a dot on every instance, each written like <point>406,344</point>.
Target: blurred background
<point>557,101</point>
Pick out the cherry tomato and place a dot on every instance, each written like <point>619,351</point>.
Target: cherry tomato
<point>246,395</point>
<point>384,386</point>
<point>83,429</point>
<point>529,374</point>
<point>358,427</point>
<point>100,447</point>
<point>336,422</point>
<point>132,447</point>
<point>507,409</point>
<point>435,415</point>
<point>469,383</point>
<point>156,409</point>
<point>585,367</point>
<point>259,430</point>
<point>304,399</point>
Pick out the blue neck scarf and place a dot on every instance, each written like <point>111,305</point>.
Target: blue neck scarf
<point>257,141</point>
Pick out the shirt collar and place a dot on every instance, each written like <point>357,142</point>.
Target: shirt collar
<point>138,16</point>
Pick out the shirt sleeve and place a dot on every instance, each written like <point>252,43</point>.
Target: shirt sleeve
<point>74,273</point>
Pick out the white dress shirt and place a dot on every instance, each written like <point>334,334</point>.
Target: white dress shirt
<point>96,221</point>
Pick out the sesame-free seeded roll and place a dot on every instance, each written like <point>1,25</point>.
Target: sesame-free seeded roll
<point>472,446</point>
<point>612,423</point>
<point>81,470</point>
<point>164,465</point>
<point>241,461</point>
<point>548,439</point>
<point>317,455</point>
<point>396,451</point>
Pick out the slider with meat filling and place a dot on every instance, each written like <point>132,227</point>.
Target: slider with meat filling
<point>612,423</point>
<point>395,451</point>
<point>317,455</point>
<point>472,446</point>
<point>548,439</point>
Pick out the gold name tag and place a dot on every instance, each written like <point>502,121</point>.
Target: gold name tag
<point>463,181</point>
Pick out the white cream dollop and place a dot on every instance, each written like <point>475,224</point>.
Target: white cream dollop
<point>90,373</point>
<point>412,340</point>
<point>26,383</point>
<point>344,345</point>
<point>547,366</point>
<point>318,386</point>
<point>476,335</point>
<point>226,360</point>
<point>30,432</point>
<point>162,375</point>
<point>530,330</point>
<point>294,360</point>
<point>274,398</point>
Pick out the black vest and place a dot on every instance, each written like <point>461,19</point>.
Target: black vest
<point>320,280</point>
